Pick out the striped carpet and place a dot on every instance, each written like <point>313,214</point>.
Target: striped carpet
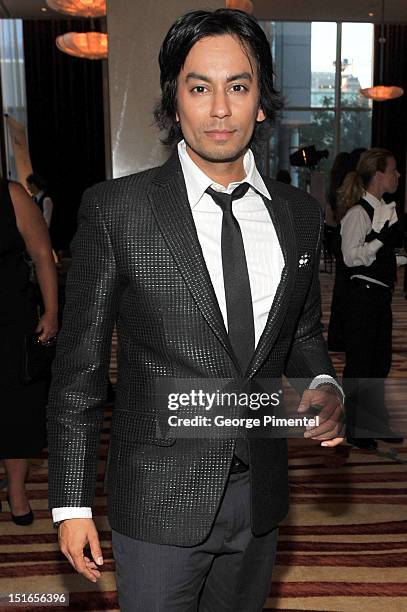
<point>342,548</point>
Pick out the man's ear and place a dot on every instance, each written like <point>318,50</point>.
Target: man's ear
<point>260,115</point>
<point>176,116</point>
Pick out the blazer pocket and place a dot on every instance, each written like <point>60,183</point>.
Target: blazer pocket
<point>141,427</point>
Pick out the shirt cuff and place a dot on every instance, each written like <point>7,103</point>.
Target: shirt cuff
<point>62,514</point>
<point>326,379</point>
<point>375,246</point>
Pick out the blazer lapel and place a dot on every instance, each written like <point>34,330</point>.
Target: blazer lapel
<point>281,215</point>
<point>169,201</point>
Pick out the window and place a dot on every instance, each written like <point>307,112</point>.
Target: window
<point>320,68</point>
<point>12,82</point>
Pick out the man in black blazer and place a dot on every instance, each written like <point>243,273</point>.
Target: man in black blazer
<point>210,272</point>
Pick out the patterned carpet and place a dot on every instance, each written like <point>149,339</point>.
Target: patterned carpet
<point>343,547</point>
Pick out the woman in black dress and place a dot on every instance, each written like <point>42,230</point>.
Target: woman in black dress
<point>22,415</point>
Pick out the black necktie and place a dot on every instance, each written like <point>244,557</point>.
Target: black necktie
<point>239,305</point>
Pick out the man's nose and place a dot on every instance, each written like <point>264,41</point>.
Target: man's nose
<point>220,104</point>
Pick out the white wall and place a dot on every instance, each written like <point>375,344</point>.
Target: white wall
<point>136,31</point>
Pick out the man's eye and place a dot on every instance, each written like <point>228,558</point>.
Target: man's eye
<point>199,89</point>
<point>238,88</point>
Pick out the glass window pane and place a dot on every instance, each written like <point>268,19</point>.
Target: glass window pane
<point>12,76</point>
<point>12,68</point>
<point>305,64</point>
<point>292,61</point>
<point>356,129</point>
<point>323,58</point>
<point>304,59</point>
<point>357,63</point>
<point>297,129</point>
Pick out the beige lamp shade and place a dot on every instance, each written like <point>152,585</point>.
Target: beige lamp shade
<point>79,8</point>
<point>241,5</point>
<point>89,45</point>
<point>381,93</point>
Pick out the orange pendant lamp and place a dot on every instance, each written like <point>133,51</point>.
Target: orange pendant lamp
<point>79,8</point>
<point>89,45</point>
<point>381,93</point>
<point>241,5</point>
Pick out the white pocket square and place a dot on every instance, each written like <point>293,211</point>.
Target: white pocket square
<point>303,260</point>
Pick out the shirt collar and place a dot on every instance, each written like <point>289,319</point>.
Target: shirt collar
<point>372,200</point>
<point>197,182</point>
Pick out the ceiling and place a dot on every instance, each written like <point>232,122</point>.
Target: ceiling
<point>27,9</point>
<point>331,10</point>
<point>288,10</point>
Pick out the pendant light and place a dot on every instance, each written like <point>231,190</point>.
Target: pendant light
<point>88,45</point>
<point>381,93</point>
<point>241,5</point>
<point>79,8</point>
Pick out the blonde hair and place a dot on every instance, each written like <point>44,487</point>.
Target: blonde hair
<point>357,181</point>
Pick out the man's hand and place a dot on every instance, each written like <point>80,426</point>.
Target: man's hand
<point>74,535</point>
<point>326,403</point>
<point>47,326</point>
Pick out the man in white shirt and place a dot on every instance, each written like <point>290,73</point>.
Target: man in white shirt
<point>211,272</point>
<point>36,186</point>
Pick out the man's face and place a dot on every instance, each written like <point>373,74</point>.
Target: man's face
<point>390,177</point>
<point>218,99</point>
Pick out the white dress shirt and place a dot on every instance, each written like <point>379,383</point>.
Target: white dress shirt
<point>356,225</point>
<point>265,260</point>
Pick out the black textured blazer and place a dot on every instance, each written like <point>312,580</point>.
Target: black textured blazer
<point>138,264</point>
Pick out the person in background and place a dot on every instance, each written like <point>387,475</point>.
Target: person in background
<point>37,187</point>
<point>343,164</point>
<point>370,231</point>
<point>355,156</point>
<point>22,416</point>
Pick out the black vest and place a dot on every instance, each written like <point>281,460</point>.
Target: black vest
<point>384,268</point>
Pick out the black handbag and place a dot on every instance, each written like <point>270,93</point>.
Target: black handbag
<point>37,358</point>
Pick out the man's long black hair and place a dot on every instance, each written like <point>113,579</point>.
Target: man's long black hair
<point>183,35</point>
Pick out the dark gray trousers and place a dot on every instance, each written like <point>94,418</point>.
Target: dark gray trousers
<point>229,572</point>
